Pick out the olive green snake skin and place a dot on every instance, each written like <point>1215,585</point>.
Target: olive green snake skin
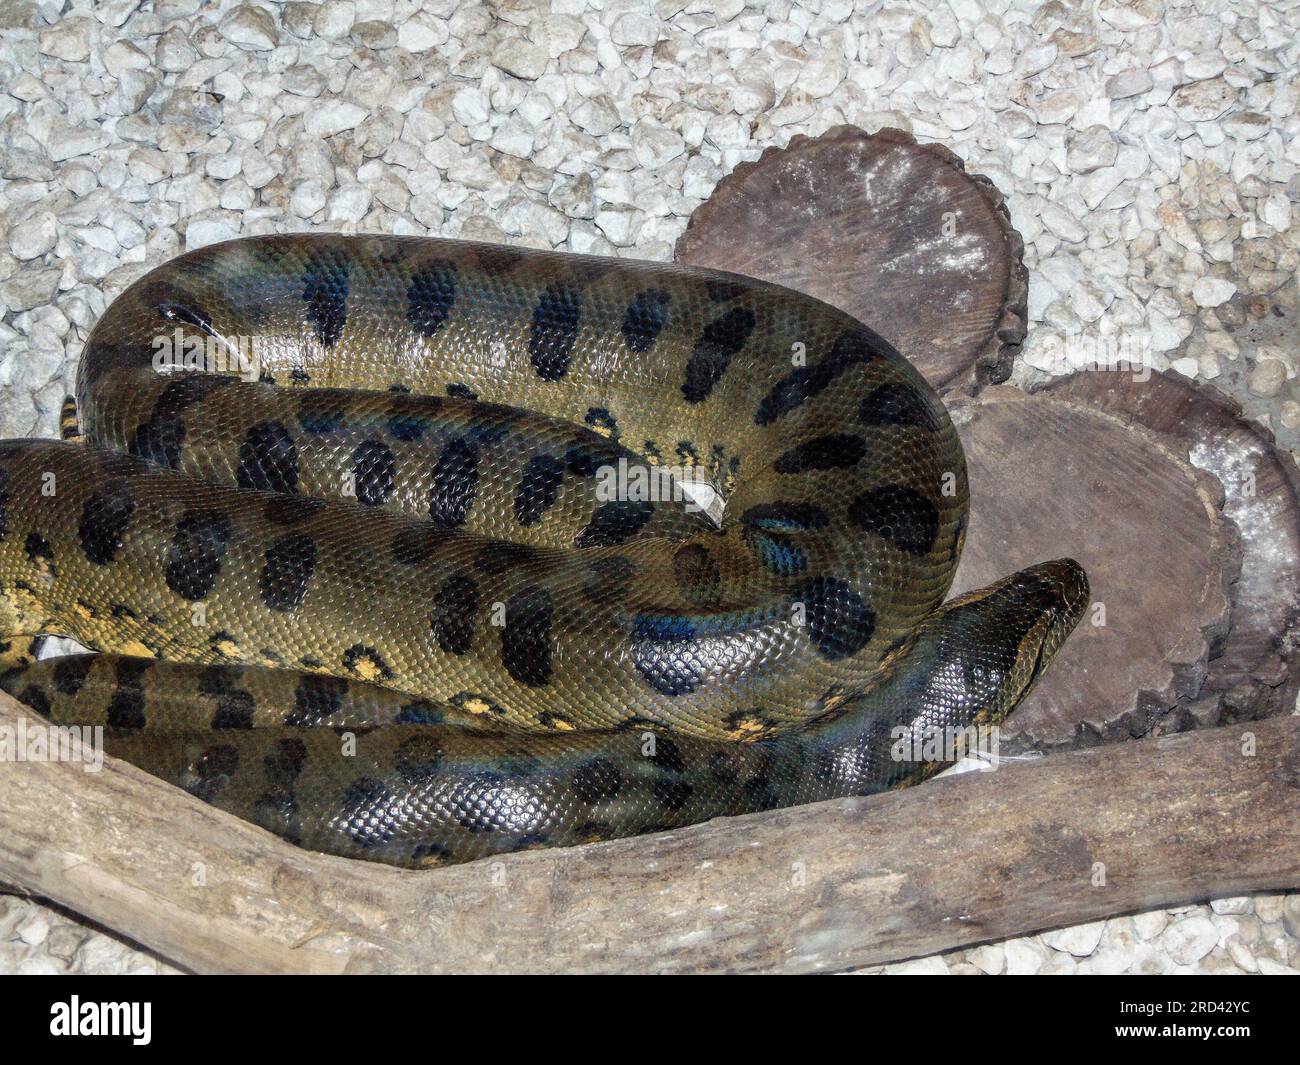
<point>439,575</point>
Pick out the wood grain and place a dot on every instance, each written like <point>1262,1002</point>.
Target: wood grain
<point>1253,673</point>
<point>894,232</point>
<point>1052,478</point>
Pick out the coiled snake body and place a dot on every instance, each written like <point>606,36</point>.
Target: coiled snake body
<point>412,594</point>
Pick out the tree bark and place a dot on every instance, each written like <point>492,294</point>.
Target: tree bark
<point>1056,841</point>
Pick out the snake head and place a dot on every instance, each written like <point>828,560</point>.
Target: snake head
<point>1037,608</point>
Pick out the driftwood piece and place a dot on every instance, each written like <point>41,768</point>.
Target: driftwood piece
<point>889,230</point>
<point>1253,673</point>
<point>1050,842</point>
<point>1051,478</point>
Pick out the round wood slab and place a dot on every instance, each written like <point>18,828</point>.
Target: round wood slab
<point>1253,671</point>
<point>1052,478</point>
<point>893,232</point>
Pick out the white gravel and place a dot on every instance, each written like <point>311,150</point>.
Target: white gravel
<point>1148,151</point>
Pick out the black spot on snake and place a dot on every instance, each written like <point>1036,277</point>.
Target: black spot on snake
<point>366,662</point>
<point>369,812</point>
<point>667,755</point>
<point>318,415</point>
<point>398,386</point>
<point>419,712</point>
<point>284,762</point>
<point>672,794</point>
<point>290,510</point>
<point>104,521</point>
<point>454,611</point>
<point>431,296</point>
<point>418,759</point>
<point>485,434</point>
<point>218,679</point>
<point>130,672</point>
<point>665,652</point>
<point>211,771</point>
<point>315,699</point>
<point>585,459</point>
<point>803,382</point>
<point>374,470</point>
<point>37,548</point>
<point>554,720</point>
<point>288,567</point>
<point>898,514</point>
<point>325,290</point>
<point>526,636</point>
<point>539,488</point>
<point>299,376</point>
<point>840,623</point>
<point>454,483</point>
<point>416,543</point>
<point>596,781</point>
<point>34,697</point>
<point>125,708</point>
<point>556,319</point>
<point>70,672</point>
<point>697,575</point>
<point>268,459</point>
<point>897,404</point>
<point>159,439</point>
<point>459,391</point>
<point>194,556</point>
<point>721,339</point>
<point>613,523</point>
<point>645,319</point>
<point>234,711</point>
<point>834,451</point>
<point>781,516</point>
<point>407,425</point>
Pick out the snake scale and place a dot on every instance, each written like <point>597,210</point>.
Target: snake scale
<point>413,590</point>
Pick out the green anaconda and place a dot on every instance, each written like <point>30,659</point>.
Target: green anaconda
<point>430,574</point>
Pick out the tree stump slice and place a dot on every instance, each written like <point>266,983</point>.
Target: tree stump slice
<point>1253,674</point>
<point>894,232</point>
<point>1052,478</point>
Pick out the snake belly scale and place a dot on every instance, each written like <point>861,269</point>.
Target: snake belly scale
<point>406,590</point>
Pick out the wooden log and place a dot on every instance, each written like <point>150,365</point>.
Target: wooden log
<point>894,232</point>
<point>1055,841</point>
<point>1050,477</point>
<point>1253,673</point>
